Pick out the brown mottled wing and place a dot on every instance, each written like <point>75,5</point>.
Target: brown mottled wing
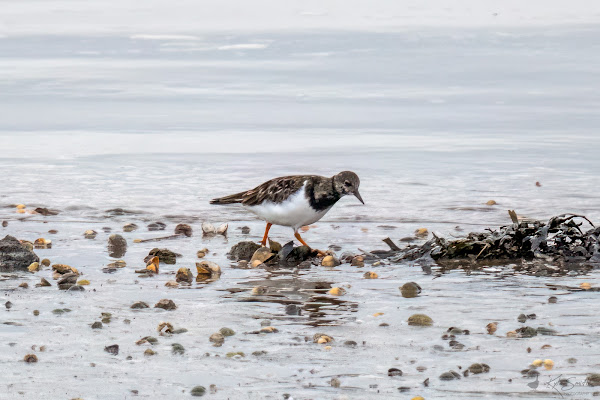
<point>276,190</point>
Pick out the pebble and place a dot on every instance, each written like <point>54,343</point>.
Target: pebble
<point>45,262</point>
<point>358,261</point>
<point>217,338</point>
<point>83,282</point>
<point>149,352</point>
<point>293,309</point>
<point>593,380</point>
<point>394,372</point>
<point>166,304</point>
<point>183,229</point>
<point>491,203</point>
<point>450,375</point>
<point>370,275</point>
<point>8,305</point>
<point>421,232</point>
<point>184,275</point>
<point>177,349</point>
<point>198,391</point>
<point>139,305</point>
<point>492,327</point>
<point>552,299</point>
<point>202,253</point>
<point>410,290</point>
<point>97,325</point>
<point>420,320</point>
<point>30,358</point>
<point>112,349</point>
<point>36,312</point>
<point>90,234</point>
<point>227,331</point>
<point>478,368</point>
<point>335,382</point>
<point>34,267</point>
<point>130,228</point>
<point>330,261</point>
<point>336,291</point>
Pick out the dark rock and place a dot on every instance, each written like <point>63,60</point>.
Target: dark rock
<point>420,320</point>
<point>478,368</point>
<point>8,305</point>
<point>112,349</point>
<point>184,275</point>
<point>97,325</point>
<point>177,349</point>
<point>130,228</point>
<point>350,343</point>
<point>245,230</point>
<point>165,256</point>
<point>45,212</point>
<point>30,358</point>
<point>300,253</point>
<point>526,332</point>
<point>183,229</point>
<point>157,226</point>
<point>243,251</point>
<point>403,389</point>
<point>13,255</point>
<point>198,391</point>
<point>450,375</point>
<point>70,277</point>
<point>293,309</point>
<point>138,305</point>
<point>65,286</point>
<point>410,289</point>
<point>76,288</point>
<point>593,380</point>
<point>226,331</point>
<point>43,282</point>
<point>166,304</point>
<point>394,372</point>
<point>542,330</point>
<point>117,246</point>
<point>552,299</point>
<point>4,224</point>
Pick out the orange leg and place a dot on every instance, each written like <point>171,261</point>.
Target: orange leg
<point>264,240</point>
<point>297,235</point>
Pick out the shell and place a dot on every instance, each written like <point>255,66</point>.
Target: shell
<point>222,230</point>
<point>208,228</point>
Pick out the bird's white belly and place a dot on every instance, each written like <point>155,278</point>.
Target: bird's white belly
<point>294,211</point>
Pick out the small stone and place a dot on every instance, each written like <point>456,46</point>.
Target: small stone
<point>478,368</point>
<point>149,352</point>
<point>358,261</point>
<point>572,360</point>
<point>548,364</point>
<point>259,290</point>
<point>265,322</point>
<point>370,275</point>
<point>83,282</point>
<point>90,234</point>
<point>97,325</point>
<point>183,229</point>
<point>335,382</point>
<point>112,349</point>
<point>330,261</point>
<point>526,332</point>
<point>593,380</point>
<point>34,267</point>
<point>233,354</point>
<point>350,343</point>
<point>8,305</point>
<point>138,305</point>
<point>491,203</point>
<point>336,291</point>
<point>184,275</point>
<point>166,304</point>
<point>245,230</point>
<point>36,312</point>
<point>172,284</point>
<point>177,349</point>
<point>420,320</point>
<point>421,233</point>
<point>450,375</point>
<point>552,299</point>
<point>157,226</point>
<point>217,338</point>
<point>269,329</point>
<point>4,224</point>
<point>522,318</point>
<point>130,228</point>
<point>30,358</point>
<point>75,288</point>
<point>202,253</point>
<point>410,290</point>
<point>198,391</point>
<point>394,372</point>
<point>492,327</point>
<point>208,268</point>
<point>45,262</point>
<point>293,309</point>
<point>321,338</point>
<point>117,246</point>
<point>24,285</point>
<point>227,331</point>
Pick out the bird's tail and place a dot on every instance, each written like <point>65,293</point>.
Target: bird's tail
<point>231,199</point>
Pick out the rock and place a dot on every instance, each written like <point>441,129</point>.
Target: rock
<point>43,283</point>
<point>350,343</point>
<point>13,255</point>
<point>184,275</point>
<point>46,262</point>
<point>42,243</point>
<point>370,275</point>
<point>330,261</point>
<point>153,266</point>
<point>208,268</point>
<point>243,251</point>
<point>227,331</point>
<point>34,267</point>
<point>130,228</point>
<point>75,288</point>
<point>157,226</point>
<point>138,305</point>
<point>24,285</point>
<point>491,203</point>
<point>217,339</point>
<point>70,278</point>
<point>410,290</point>
<point>202,253</point>
<point>4,224</point>
<point>166,326</point>
<point>492,327</point>
<point>83,282</point>
<point>149,352</point>
<point>90,234</point>
<point>593,380</point>
<point>53,231</point>
<point>172,284</point>
<point>420,320</point>
<point>548,364</point>
<point>117,246</point>
<point>526,332</point>
<point>177,349</point>
<point>198,391</point>
<point>522,318</point>
<point>358,261</point>
<point>183,229</point>
<point>293,309</point>
<point>112,349</point>
<point>97,325</point>
<point>421,233</point>
<point>166,304</point>
<point>394,372</point>
<point>336,291</point>
<point>478,368</point>
<point>232,354</point>
<point>262,255</point>
<point>274,246</point>
<point>335,382</point>
<point>269,329</point>
<point>245,230</point>
<point>8,305</point>
<point>165,256</point>
<point>30,358</point>
<point>64,269</point>
<point>321,338</point>
<point>450,375</point>
<point>552,299</point>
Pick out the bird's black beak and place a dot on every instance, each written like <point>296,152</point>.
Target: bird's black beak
<point>358,196</point>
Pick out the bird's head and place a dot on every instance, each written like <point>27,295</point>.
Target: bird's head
<point>347,182</point>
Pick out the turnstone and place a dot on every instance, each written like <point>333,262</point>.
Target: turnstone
<point>295,201</point>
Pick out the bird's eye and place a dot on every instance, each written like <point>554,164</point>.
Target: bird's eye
<point>347,183</point>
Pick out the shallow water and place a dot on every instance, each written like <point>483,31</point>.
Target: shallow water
<point>434,122</point>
